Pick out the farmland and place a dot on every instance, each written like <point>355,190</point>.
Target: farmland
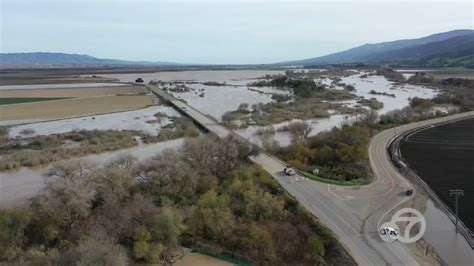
<point>14,100</point>
<point>73,107</point>
<point>73,92</point>
<point>451,147</point>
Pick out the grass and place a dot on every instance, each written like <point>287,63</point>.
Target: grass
<point>354,182</point>
<point>14,100</point>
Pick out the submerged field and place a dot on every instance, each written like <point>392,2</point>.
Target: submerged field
<point>443,157</point>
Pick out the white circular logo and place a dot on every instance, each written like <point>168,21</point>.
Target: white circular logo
<point>390,231</point>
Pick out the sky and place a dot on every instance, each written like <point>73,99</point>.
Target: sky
<point>219,32</point>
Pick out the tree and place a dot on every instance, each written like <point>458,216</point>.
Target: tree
<point>166,228</point>
<point>243,107</point>
<point>68,195</point>
<point>95,252</point>
<point>144,248</point>
<point>12,237</point>
<point>213,218</point>
<point>299,131</point>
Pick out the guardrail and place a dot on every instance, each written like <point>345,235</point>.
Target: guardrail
<point>404,168</point>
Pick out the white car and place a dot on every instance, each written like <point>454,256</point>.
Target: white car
<point>390,232</point>
<point>289,171</point>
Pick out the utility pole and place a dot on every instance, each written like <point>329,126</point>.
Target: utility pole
<point>456,193</point>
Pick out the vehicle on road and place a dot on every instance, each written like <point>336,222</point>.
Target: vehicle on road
<point>289,171</point>
<point>390,232</point>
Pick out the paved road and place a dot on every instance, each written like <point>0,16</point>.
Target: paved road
<point>352,213</point>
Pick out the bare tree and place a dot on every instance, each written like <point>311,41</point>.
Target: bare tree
<point>123,161</point>
<point>68,194</point>
<point>299,131</point>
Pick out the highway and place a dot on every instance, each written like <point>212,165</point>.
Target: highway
<point>354,214</point>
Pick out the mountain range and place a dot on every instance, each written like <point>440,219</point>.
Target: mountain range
<point>42,59</point>
<point>447,49</point>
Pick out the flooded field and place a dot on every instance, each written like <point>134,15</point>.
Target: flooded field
<point>234,77</point>
<point>284,137</point>
<point>17,186</point>
<point>442,156</point>
<point>212,100</point>
<point>217,100</point>
<point>392,95</point>
<point>141,119</point>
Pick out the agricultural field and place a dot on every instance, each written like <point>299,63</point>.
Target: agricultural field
<point>73,107</point>
<point>443,156</point>
<point>15,100</point>
<point>63,100</point>
<point>73,92</point>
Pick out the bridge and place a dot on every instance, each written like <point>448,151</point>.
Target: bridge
<point>352,213</point>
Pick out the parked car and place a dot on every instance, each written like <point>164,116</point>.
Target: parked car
<point>289,171</point>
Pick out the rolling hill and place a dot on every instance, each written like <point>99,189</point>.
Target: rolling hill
<point>453,47</point>
<point>64,59</point>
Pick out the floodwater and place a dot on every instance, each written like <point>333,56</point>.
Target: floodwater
<point>234,77</point>
<point>18,186</point>
<point>215,100</point>
<point>380,84</point>
<point>284,137</point>
<point>440,233</point>
<point>363,87</point>
<point>218,100</point>
<point>59,86</point>
<point>128,120</point>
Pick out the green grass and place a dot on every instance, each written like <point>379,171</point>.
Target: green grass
<point>5,101</point>
<point>354,182</point>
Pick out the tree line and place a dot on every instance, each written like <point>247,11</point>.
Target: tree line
<point>206,195</point>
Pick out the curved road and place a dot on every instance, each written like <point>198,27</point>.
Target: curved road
<point>352,213</point>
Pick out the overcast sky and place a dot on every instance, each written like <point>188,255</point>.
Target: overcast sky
<point>224,31</point>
